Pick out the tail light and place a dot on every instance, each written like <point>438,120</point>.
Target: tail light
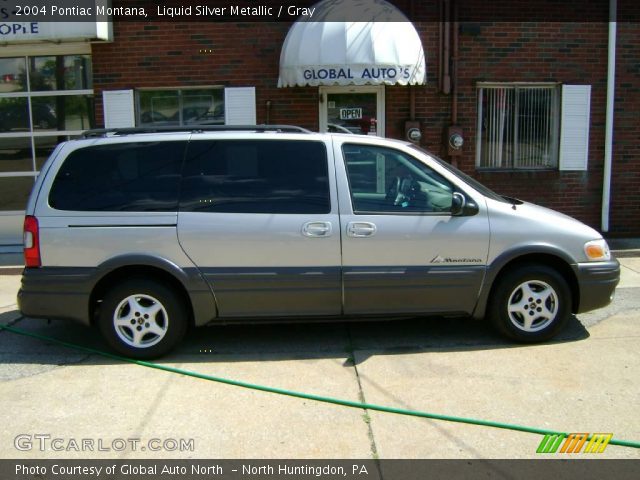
<point>31,242</point>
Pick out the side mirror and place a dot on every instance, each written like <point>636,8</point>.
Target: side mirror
<point>460,206</point>
<point>457,203</point>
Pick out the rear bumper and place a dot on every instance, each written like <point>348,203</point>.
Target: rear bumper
<point>56,293</point>
<point>597,283</point>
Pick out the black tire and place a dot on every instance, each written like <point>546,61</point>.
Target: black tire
<point>530,303</point>
<point>128,331</point>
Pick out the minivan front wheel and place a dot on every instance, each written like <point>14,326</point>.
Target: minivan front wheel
<point>142,318</point>
<point>530,303</point>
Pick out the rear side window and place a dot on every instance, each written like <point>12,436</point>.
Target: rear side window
<point>142,177</point>
<point>256,176</point>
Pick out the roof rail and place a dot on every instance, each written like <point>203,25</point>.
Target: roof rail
<point>103,132</point>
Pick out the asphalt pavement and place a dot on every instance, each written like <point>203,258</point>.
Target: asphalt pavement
<point>586,380</point>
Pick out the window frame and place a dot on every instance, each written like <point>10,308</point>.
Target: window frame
<point>555,118</point>
<point>186,173</point>
<point>454,187</point>
<point>35,136</point>
<point>180,145</point>
<point>180,91</point>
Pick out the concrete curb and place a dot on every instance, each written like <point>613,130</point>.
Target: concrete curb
<point>14,270</point>
<point>634,252</point>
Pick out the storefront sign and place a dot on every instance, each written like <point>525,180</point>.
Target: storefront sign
<point>21,32</point>
<point>42,20</point>
<point>352,75</point>
<point>350,113</point>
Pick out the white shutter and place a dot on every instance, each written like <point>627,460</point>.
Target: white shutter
<point>574,129</point>
<point>240,106</point>
<point>118,109</point>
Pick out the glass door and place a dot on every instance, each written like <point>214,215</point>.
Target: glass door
<point>355,110</point>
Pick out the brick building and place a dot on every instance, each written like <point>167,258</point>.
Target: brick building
<point>528,98</point>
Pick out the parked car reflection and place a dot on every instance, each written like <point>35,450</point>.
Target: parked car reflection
<point>190,116</point>
<point>15,116</point>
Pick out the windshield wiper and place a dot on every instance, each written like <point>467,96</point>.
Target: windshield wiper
<point>513,201</point>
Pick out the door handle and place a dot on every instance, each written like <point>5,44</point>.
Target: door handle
<point>317,229</point>
<point>361,229</point>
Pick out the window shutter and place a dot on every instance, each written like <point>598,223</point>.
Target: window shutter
<point>574,129</point>
<point>240,106</point>
<point>118,109</point>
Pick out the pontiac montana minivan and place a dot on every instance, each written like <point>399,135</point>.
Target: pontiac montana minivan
<point>145,233</point>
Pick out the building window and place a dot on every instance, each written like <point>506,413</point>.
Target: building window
<point>44,100</point>
<point>518,126</point>
<point>176,107</point>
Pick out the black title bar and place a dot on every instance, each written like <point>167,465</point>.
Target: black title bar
<point>317,469</point>
<point>27,11</point>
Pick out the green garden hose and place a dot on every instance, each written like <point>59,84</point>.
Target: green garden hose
<point>308,396</point>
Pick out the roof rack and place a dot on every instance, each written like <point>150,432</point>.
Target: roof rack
<point>103,132</point>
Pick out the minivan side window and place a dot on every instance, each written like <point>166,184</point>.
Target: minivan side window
<point>140,177</point>
<point>256,176</point>
<point>384,180</point>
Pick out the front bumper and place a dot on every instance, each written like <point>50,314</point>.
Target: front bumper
<point>597,282</point>
<point>56,292</point>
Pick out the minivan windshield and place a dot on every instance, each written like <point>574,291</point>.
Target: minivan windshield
<point>472,182</point>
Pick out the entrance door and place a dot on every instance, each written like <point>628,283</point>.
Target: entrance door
<point>357,110</point>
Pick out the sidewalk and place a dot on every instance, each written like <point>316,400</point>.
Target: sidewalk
<point>624,247</point>
<point>586,380</point>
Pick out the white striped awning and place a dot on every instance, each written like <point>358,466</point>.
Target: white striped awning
<point>381,52</point>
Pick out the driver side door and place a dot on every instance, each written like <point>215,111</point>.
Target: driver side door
<point>403,251</point>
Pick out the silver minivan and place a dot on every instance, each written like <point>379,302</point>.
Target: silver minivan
<point>146,233</point>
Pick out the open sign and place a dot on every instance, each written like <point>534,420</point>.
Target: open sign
<point>350,113</point>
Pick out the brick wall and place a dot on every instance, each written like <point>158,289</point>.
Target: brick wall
<point>569,53</point>
<point>247,54</point>
<point>171,55</point>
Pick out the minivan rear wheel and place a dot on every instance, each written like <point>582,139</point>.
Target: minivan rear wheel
<point>530,303</point>
<point>142,318</point>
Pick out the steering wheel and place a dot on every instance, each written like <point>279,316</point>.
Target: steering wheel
<point>402,191</point>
